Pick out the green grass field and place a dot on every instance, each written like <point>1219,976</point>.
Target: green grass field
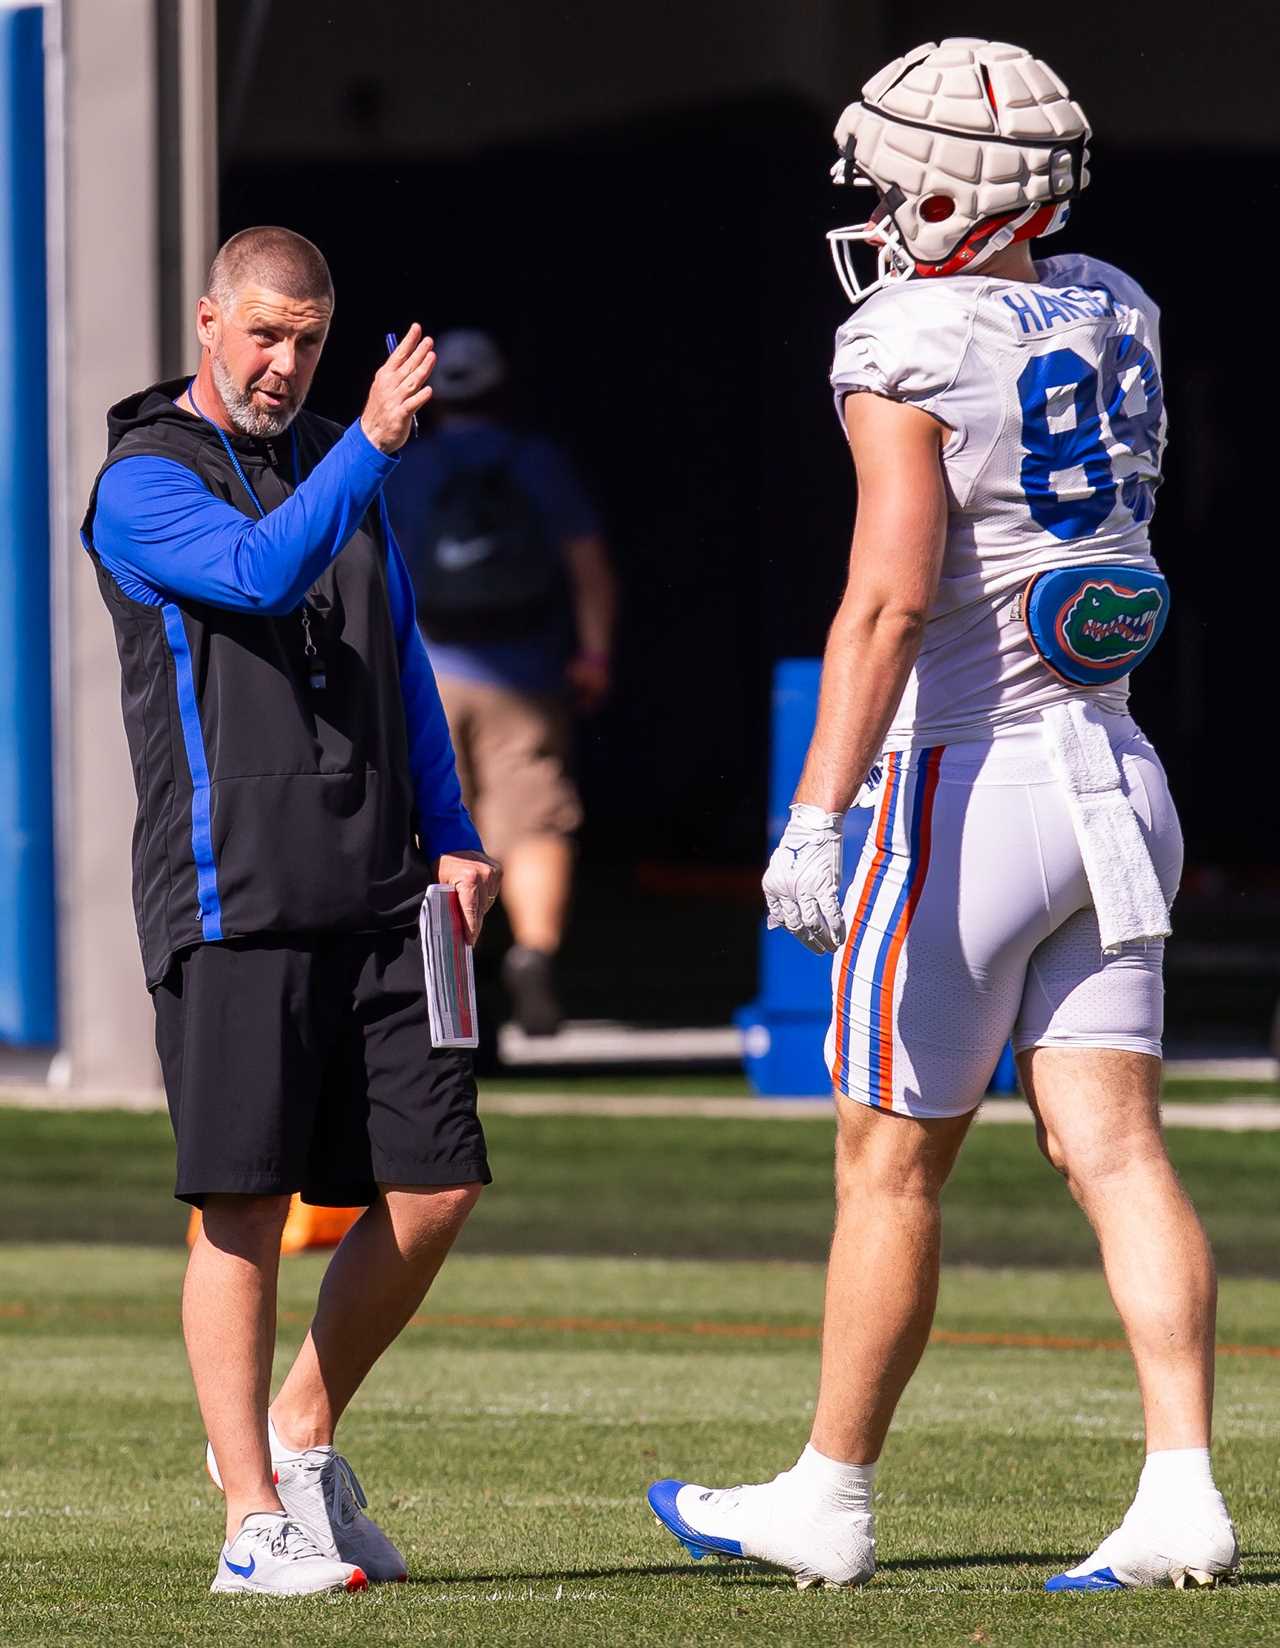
<point>670,1328</point>
<point>653,1186</point>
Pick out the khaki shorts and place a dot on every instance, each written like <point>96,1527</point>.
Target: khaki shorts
<point>512,750</point>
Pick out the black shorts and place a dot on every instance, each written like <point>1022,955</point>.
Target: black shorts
<point>304,1063</point>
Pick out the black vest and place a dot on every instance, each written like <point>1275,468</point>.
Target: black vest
<point>264,804</point>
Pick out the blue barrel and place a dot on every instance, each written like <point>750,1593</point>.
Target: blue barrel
<point>783,1030</point>
<point>28,970</point>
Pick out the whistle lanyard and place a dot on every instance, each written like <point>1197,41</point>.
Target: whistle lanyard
<point>315,664</point>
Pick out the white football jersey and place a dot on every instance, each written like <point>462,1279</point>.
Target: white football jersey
<point>1053,393</point>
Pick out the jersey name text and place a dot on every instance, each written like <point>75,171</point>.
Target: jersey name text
<point>1039,310</point>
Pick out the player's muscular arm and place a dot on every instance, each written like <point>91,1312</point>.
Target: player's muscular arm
<point>893,575</point>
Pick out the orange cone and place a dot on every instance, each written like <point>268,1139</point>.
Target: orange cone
<point>305,1227</point>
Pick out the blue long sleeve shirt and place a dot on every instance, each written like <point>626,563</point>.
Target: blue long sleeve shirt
<point>162,534</point>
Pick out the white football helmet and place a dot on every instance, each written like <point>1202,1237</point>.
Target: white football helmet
<point>970,145</point>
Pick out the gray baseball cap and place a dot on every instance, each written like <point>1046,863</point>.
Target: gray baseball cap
<point>468,364</point>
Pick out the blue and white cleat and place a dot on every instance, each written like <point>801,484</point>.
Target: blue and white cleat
<point>1192,1547</point>
<point>662,1497</point>
<point>776,1523</point>
<point>1099,1579</point>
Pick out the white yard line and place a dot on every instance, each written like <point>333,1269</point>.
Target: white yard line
<point>1223,1069</point>
<point>602,1041</point>
<point>1232,1114</point>
<point>29,1097</point>
<point>1239,1115</point>
<point>605,1041</point>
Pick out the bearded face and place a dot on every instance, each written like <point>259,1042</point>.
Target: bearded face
<point>263,352</point>
<point>265,406</point>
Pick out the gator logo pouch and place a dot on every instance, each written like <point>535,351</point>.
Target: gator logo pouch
<point>1093,624</point>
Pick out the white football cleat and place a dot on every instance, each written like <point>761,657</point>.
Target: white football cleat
<point>770,1522</point>
<point>274,1556</point>
<point>1190,1544</point>
<point>318,1488</point>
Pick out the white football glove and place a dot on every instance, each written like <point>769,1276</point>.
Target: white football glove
<point>802,883</point>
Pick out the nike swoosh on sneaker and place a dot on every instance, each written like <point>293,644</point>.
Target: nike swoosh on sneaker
<point>235,1567</point>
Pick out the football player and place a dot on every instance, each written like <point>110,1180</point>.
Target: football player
<point>1006,422</point>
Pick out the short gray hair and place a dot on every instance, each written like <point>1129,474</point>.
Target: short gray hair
<point>275,258</point>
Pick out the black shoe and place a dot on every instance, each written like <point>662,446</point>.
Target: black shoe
<point>530,980</point>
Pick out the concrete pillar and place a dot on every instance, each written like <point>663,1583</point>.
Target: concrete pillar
<point>198,138</point>
<point>109,220</point>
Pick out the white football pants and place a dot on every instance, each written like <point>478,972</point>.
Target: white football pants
<point>970,922</point>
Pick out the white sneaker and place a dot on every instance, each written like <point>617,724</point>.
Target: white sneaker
<point>772,1522</point>
<point>273,1556</point>
<point>1190,1544</point>
<point>318,1488</point>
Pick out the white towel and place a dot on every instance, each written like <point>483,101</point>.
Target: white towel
<point>1127,896</point>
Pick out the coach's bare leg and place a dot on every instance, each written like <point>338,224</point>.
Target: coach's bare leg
<point>1099,1124</point>
<point>882,1279</point>
<point>374,1283</point>
<point>229,1322</point>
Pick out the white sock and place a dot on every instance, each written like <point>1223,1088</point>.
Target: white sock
<point>831,1484</point>
<point>280,1449</point>
<point>1174,1473</point>
<point>1177,1513</point>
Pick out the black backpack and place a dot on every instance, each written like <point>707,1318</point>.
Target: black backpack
<point>488,569</point>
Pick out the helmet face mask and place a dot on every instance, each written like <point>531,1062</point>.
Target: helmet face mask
<point>970,146</point>
<point>893,262</point>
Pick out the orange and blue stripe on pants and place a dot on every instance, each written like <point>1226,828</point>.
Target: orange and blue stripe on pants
<point>892,886</point>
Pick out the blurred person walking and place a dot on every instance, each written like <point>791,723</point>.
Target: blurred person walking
<point>517,601</point>
<point>296,796</point>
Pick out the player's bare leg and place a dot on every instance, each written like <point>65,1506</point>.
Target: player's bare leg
<point>375,1281</point>
<point>882,1278</point>
<point>229,1322</point>
<point>1098,1122</point>
<point>882,1283</point>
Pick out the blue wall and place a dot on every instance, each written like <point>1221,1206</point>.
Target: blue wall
<point>28,972</point>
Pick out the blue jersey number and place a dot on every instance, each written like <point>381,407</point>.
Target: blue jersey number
<point>1051,451</point>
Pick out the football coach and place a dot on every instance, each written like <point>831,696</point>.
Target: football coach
<point>296,796</point>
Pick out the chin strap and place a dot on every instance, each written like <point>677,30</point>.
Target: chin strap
<point>994,236</point>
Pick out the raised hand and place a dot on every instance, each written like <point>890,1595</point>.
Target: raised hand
<point>399,389</point>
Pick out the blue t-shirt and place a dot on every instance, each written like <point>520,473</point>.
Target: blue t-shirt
<point>533,663</point>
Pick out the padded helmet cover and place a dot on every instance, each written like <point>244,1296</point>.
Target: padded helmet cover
<point>979,122</point>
